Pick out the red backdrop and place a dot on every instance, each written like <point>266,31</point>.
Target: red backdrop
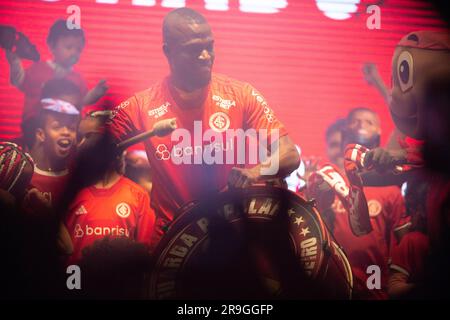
<point>307,65</point>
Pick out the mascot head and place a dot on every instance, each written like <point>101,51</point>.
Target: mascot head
<point>419,58</point>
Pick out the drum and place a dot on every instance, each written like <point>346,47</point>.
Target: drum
<point>259,242</point>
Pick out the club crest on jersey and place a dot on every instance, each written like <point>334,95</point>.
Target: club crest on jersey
<point>123,210</point>
<point>219,122</point>
<point>374,207</point>
<point>223,103</point>
<point>160,111</point>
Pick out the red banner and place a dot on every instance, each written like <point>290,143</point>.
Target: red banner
<point>305,56</point>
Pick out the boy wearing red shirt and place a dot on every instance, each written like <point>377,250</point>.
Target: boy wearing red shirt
<point>55,138</point>
<point>114,206</point>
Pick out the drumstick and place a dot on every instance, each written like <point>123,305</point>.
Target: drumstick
<point>160,129</point>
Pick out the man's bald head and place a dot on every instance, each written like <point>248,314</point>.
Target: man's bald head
<point>189,48</point>
<point>179,17</point>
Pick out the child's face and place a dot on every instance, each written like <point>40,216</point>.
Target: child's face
<point>86,128</point>
<point>59,135</point>
<point>67,50</point>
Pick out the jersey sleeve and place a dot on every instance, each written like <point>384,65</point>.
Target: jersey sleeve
<point>146,220</point>
<point>124,120</point>
<point>410,255</point>
<point>258,114</point>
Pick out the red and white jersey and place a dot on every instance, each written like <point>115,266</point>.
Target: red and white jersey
<point>410,255</point>
<point>229,104</point>
<point>387,214</point>
<point>122,210</point>
<point>50,184</point>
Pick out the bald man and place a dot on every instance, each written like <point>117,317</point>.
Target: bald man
<point>202,156</point>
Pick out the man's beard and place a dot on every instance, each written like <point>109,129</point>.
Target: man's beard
<point>200,82</point>
<point>190,81</point>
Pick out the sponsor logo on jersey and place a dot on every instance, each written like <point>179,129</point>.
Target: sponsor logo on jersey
<point>162,153</point>
<point>80,211</point>
<point>118,108</point>
<point>223,103</point>
<point>87,230</point>
<point>267,111</point>
<point>221,145</point>
<point>160,111</point>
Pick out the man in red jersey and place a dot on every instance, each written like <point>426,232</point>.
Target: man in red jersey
<point>201,156</point>
<point>114,206</point>
<point>410,258</point>
<point>386,210</point>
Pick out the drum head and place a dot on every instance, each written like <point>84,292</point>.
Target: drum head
<point>260,242</point>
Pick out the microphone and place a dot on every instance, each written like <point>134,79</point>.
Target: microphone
<point>160,129</point>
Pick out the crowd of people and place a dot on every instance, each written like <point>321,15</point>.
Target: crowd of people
<point>71,196</point>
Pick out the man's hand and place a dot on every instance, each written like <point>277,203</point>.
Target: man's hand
<point>312,164</point>
<point>320,190</point>
<point>96,93</point>
<point>370,72</point>
<point>242,178</point>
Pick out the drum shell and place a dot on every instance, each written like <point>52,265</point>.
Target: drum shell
<point>267,220</point>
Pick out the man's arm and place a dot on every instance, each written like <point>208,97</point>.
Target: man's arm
<point>124,121</point>
<point>382,163</point>
<point>95,93</point>
<point>16,71</point>
<point>373,78</point>
<point>146,221</point>
<point>284,159</point>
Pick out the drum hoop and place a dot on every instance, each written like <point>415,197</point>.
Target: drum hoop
<point>347,267</point>
<point>199,206</point>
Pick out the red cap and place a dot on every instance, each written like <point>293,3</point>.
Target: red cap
<point>431,40</point>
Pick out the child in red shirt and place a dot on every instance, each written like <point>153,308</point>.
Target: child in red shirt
<point>113,206</point>
<point>66,46</point>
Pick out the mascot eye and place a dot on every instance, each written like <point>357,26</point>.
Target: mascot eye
<point>405,70</point>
